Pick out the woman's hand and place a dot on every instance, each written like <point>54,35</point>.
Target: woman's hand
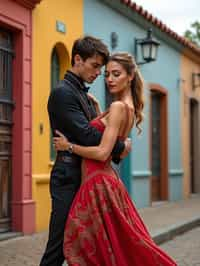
<point>61,143</point>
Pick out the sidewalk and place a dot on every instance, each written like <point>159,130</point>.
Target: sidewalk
<point>167,219</point>
<point>164,220</point>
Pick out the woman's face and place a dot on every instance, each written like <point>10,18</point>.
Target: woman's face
<point>116,77</point>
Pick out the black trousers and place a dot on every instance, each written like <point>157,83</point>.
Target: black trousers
<point>62,194</point>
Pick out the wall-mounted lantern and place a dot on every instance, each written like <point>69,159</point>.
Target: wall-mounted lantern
<point>149,48</point>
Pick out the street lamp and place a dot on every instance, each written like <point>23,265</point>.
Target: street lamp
<point>149,48</point>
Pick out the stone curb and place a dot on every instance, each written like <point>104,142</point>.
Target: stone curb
<point>9,235</point>
<point>159,236</point>
<point>168,233</point>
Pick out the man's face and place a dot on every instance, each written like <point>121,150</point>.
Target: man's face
<point>89,69</point>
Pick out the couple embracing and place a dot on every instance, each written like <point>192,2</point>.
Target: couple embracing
<point>93,219</point>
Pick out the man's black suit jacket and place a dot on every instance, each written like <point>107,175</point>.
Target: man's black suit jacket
<point>66,113</point>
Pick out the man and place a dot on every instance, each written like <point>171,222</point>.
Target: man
<point>70,111</point>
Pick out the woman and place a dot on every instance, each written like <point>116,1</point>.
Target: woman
<point>103,226</point>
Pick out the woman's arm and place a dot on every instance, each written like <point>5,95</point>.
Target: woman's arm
<point>67,116</point>
<point>111,132</point>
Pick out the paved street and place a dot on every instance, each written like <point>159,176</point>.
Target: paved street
<point>22,251</point>
<point>160,219</point>
<point>185,249</point>
<point>27,250</point>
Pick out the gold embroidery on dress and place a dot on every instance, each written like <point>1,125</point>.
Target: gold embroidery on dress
<point>98,197</point>
<point>103,198</point>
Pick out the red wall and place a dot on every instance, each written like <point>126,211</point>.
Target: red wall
<point>18,19</point>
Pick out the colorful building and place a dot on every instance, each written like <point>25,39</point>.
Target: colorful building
<point>157,169</point>
<point>54,30</point>
<point>190,120</point>
<point>17,207</point>
<point>36,38</point>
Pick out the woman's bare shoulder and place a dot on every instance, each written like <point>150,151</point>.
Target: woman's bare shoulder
<point>117,105</point>
<point>117,110</point>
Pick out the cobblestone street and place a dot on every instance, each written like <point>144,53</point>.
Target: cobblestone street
<point>22,251</point>
<point>27,250</point>
<point>185,249</point>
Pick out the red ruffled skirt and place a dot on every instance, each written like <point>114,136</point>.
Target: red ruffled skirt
<point>104,228</point>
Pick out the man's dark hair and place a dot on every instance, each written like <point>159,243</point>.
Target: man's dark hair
<point>89,46</point>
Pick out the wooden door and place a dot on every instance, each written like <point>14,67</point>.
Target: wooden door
<point>6,107</point>
<point>194,147</point>
<point>156,147</point>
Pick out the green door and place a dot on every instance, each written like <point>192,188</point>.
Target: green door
<point>55,74</point>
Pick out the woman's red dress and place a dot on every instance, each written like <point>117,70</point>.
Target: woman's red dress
<point>103,227</point>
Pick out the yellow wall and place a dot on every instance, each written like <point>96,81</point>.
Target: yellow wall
<point>188,66</point>
<point>45,38</point>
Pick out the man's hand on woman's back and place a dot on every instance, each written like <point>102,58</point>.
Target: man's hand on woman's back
<point>128,146</point>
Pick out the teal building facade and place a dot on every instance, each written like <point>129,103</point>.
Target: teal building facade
<point>153,172</point>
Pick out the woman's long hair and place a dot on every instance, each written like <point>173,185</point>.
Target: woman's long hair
<point>137,84</point>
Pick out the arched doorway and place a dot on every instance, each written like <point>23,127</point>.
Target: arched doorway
<point>158,143</point>
<point>55,75</point>
<point>59,65</point>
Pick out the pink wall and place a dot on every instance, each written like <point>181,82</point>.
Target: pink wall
<point>18,19</point>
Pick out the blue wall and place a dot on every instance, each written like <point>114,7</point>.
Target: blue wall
<point>100,20</point>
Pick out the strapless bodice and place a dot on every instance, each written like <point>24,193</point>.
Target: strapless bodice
<point>98,124</point>
<point>90,165</point>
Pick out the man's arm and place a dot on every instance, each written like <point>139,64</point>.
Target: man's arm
<point>68,110</point>
<point>102,151</point>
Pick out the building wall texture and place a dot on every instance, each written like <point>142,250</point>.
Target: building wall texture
<point>164,72</point>
<point>98,18</point>
<point>188,94</point>
<point>17,20</point>
<point>45,39</point>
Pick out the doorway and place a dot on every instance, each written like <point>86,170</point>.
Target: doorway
<point>6,108</point>
<point>55,74</point>
<point>194,147</point>
<point>159,144</point>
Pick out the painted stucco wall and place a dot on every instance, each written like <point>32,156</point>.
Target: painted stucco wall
<point>17,20</point>
<point>45,38</point>
<point>188,66</point>
<point>165,72</point>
